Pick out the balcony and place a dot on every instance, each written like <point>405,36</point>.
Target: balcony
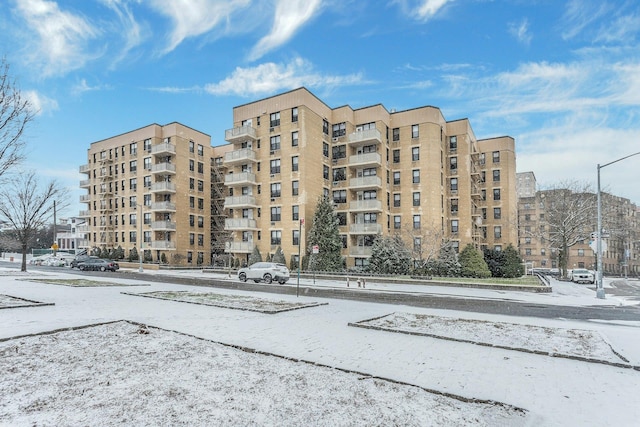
<point>240,134</point>
<point>360,251</point>
<point>163,207</point>
<point>105,209</point>
<point>365,182</point>
<point>240,202</point>
<point>163,187</point>
<point>366,205</point>
<point>163,226</point>
<point>105,192</point>
<point>85,183</point>
<point>105,160</point>
<point>241,247</point>
<point>84,214</point>
<point>243,156</point>
<point>367,159</point>
<point>163,168</point>
<point>365,137</point>
<point>85,169</point>
<point>164,149</point>
<point>85,198</point>
<point>365,228</point>
<point>161,245</point>
<point>242,178</point>
<point>240,224</point>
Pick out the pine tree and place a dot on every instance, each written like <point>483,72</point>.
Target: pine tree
<point>278,257</point>
<point>325,234</point>
<point>513,263</point>
<point>472,263</point>
<point>255,256</point>
<point>448,261</point>
<point>389,255</point>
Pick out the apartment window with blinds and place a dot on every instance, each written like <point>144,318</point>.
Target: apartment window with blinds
<point>274,119</point>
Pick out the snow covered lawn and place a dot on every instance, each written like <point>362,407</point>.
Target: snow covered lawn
<point>236,302</point>
<point>572,343</point>
<point>82,283</point>
<point>7,301</point>
<point>125,374</point>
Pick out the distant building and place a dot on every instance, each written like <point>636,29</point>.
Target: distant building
<point>386,172</point>
<point>71,234</point>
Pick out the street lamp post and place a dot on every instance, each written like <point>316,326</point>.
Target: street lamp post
<point>599,287</point>
<point>141,254</point>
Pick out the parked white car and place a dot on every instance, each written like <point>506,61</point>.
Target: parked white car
<point>582,275</point>
<point>265,272</point>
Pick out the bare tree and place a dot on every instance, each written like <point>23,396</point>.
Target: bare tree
<point>16,113</point>
<point>569,209</point>
<point>424,242</point>
<point>27,206</point>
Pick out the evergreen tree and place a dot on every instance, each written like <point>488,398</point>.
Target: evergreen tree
<point>513,266</point>
<point>104,253</point>
<point>389,255</point>
<point>279,256</point>
<point>118,253</point>
<point>448,261</point>
<point>255,256</point>
<point>495,261</point>
<point>472,263</point>
<point>133,255</point>
<point>325,234</point>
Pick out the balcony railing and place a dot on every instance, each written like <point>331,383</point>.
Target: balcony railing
<point>365,159</point>
<point>163,187</point>
<point>240,178</point>
<point>239,201</point>
<point>166,168</point>
<point>239,134</point>
<point>85,169</point>
<point>240,224</point>
<point>163,149</point>
<point>163,206</point>
<point>365,137</point>
<point>241,247</point>
<point>365,182</point>
<point>360,251</point>
<point>240,156</point>
<point>366,205</point>
<point>85,183</point>
<point>365,228</point>
<point>162,244</point>
<point>163,226</point>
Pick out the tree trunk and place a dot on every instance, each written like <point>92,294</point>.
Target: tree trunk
<point>23,267</point>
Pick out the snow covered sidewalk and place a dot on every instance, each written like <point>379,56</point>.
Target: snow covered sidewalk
<point>553,391</point>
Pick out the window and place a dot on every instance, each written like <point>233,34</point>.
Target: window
<point>294,139</point>
<point>295,188</point>
<point>146,202</point>
<point>527,240</point>
<point>496,194</point>
<point>200,185</point>
<point>200,167</point>
<point>416,199</point>
<point>453,144</point>
<point>133,166</point>
<point>276,237</point>
<point>146,181</point>
<point>276,213</point>
<point>527,251</point>
<point>454,184</point>
<point>192,220</point>
<point>325,127</point>
<point>200,203</point>
<point>133,202</point>
<point>415,154</point>
<point>339,174</point>
<point>497,231</point>
<point>201,240</point>
<point>454,206</point>
<point>132,219</point>
<point>415,131</point>
<point>276,189</point>
<point>295,212</point>
<point>133,184</point>
<point>200,222</point>
<point>133,237</point>
<point>581,251</point>
<point>133,148</point>
<point>496,175</point>
<point>191,146</point>
<point>192,166</point>
<point>496,157</point>
<point>416,222</point>
<point>396,134</point>
<point>274,166</point>
<point>192,238</point>
<point>274,119</point>
<point>396,200</point>
<point>453,164</point>
<point>482,159</point>
<point>416,176</point>
<point>274,143</point>
<point>294,114</point>
<point>497,213</point>
<point>342,218</point>
<point>146,162</point>
<point>396,222</point>
<point>146,144</point>
<point>396,178</point>
<point>396,156</point>
<point>295,240</point>
<point>339,152</point>
<point>543,252</point>
<point>200,150</point>
<point>340,196</point>
<point>339,129</point>
<point>294,164</point>
<point>454,226</point>
<point>192,202</point>
<point>189,257</point>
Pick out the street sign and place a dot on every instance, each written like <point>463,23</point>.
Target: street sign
<point>594,245</point>
<point>316,249</point>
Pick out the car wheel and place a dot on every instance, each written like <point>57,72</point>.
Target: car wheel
<point>242,277</point>
<point>256,280</point>
<point>103,269</point>
<point>81,268</point>
<point>267,278</point>
<point>282,282</point>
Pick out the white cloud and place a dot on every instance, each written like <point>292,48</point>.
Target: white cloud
<point>520,30</point>
<point>82,86</point>
<point>129,28</point>
<point>62,40</point>
<point>622,30</point>
<point>195,17</point>
<point>422,10</point>
<point>40,103</point>
<point>579,14</point>
<point>289,16</point>
<point>271,77</point>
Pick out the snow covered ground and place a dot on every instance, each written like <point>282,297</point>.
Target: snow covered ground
<point>187,382</point>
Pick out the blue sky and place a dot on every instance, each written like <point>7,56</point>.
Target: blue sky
<point>561,77</point>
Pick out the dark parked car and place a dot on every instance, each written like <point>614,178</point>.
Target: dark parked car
<point>98,264</point>
<point>80,258</point>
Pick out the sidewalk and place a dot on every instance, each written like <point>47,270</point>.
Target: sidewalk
<point>556,391</point>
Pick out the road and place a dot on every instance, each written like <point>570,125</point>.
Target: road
<point>418,299</point>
